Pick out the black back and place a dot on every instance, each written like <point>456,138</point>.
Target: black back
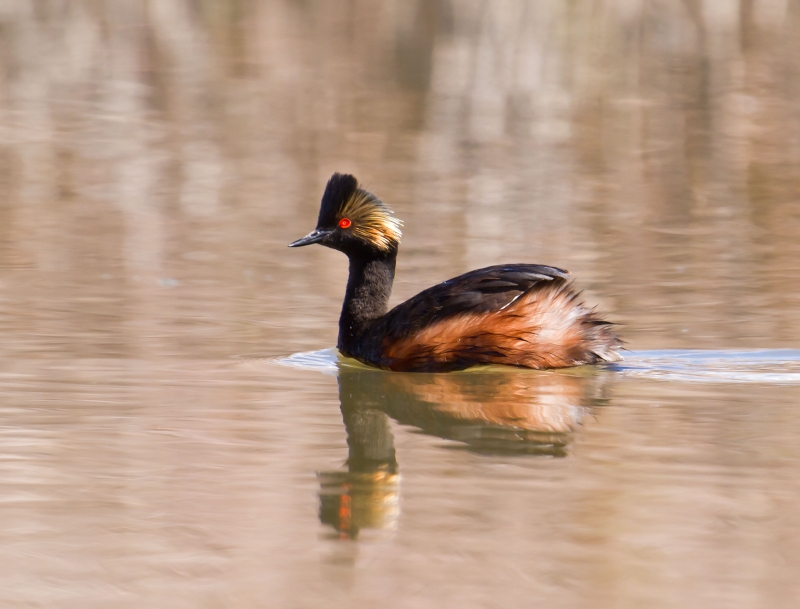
<point>480,291</point>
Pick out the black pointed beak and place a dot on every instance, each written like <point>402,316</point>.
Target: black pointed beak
<point>315,236</point>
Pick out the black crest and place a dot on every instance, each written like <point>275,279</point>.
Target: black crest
<point>340,190</point>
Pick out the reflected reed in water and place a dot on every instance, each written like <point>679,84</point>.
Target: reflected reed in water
<point>489,411</point>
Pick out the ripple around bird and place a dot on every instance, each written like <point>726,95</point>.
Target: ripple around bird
<point>773,366</point>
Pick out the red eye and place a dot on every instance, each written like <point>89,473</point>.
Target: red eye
<point>344,223</point>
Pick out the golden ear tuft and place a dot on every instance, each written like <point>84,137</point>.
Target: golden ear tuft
<point>371,220</point>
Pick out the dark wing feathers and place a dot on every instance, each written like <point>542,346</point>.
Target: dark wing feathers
<point>481,291</point>
<point>545,273</point>
<point>472,319</point>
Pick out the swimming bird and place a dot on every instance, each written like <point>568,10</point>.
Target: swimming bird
<point>514,314</point>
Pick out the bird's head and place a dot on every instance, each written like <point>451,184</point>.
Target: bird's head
<point>353,220</point>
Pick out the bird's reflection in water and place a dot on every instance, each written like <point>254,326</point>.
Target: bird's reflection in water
<point>490,411</point>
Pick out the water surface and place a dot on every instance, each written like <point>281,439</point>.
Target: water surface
<point>176,430</point>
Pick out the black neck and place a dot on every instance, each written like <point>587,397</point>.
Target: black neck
<point>366,298</point>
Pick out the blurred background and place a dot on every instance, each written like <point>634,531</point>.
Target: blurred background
<point>157,156</point>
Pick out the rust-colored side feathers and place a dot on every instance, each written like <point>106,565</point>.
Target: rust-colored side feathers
<point>545,327</point>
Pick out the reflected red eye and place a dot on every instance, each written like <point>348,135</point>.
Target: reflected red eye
<point>344,223</point>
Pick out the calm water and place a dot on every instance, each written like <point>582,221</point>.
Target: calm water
<point>176,430</point>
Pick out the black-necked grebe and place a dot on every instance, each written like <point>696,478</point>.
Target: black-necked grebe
<point>514,314</point>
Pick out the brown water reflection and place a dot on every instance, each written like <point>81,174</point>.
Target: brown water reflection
<point>155,159</point>
<point>492,411</point>
<point>505,411</point>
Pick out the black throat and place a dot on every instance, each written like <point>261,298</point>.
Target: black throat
<point>366,299</point>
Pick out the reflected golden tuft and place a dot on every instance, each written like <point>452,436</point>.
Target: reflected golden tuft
<point>372,220</point>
